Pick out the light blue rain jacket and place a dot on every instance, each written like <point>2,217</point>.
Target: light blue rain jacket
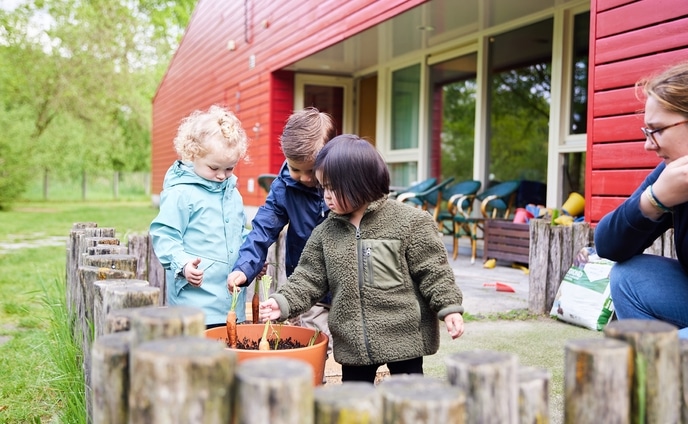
<point>200,219</point>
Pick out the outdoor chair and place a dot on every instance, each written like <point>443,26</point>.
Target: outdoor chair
<point>495,202</point>
<point>459,195</point>
<point>427,200</point>
<point>415,188</point>
<point>265,181</point>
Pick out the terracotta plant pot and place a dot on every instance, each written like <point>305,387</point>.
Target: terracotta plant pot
<point>315,355</point>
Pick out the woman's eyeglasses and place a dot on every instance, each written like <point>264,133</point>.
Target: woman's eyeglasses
<point>650,134</point>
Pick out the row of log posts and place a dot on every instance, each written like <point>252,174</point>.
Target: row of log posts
<point>153,364</point>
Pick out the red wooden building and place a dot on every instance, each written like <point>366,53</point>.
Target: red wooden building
<point>381,68</point>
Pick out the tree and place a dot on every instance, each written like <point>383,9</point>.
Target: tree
<point>84,73</point>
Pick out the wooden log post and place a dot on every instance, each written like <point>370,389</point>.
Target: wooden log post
<point>88,276</point>
<point>75,249</point>
<point>110,378</point>
<point>485,376</point>
<point>149,267</point>
<point>154,323</point>
<point>416,399</point>
<point>184,379</point>
<point>533,395</point>
<point>353,402</point>
<point>274,390</point>
<point>597,381</point>
<point>128,298</point>
<point>118,320</point>
<point>106,249</point>
<point>655,392</point>
<point>552,250</point>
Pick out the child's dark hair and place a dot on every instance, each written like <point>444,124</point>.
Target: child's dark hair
<point>353,170</point>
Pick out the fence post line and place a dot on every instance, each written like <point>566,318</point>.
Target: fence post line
<point>655,384</point>
<point>485,376</point>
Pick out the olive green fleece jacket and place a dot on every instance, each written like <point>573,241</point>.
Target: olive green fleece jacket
<point>390,282</point>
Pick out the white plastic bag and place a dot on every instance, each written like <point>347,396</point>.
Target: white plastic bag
<point>583,297</point>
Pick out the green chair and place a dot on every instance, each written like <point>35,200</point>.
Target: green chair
<point>265,181</point>
<point>415,188</point>
<point>495,202</point>
<point>428,199</point>
<point>456,196</point>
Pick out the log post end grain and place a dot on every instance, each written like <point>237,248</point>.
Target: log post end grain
<point>356,401</point>
<point>413,401</point>
<point>269,386</point>
<point>156,322</point>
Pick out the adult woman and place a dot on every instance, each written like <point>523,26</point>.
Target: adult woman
<point>647,286</point>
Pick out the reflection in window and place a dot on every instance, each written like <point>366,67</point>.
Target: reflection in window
<point>520,78</point>
<point>403,174</point>
<point>579,72</point>
<point>574,173</point>
<point>453,85</point>
<point>405,107</point>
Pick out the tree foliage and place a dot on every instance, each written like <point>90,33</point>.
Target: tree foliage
<point>80,75</point>
<point>519,125</point>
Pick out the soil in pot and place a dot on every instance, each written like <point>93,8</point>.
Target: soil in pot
<point>250,334</point>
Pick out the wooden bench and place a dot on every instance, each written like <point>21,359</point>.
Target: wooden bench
<point>505,240</point>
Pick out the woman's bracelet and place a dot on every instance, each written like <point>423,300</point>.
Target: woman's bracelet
<point>655,202</point>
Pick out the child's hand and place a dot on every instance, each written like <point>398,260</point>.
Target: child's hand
<point>269,310</point>
<point>192,274</point>
<point>454,323</point>
<point>235,279</point>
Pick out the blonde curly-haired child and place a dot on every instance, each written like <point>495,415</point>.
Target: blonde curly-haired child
<point>202,223</point>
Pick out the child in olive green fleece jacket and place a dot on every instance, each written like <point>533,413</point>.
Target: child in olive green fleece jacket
<point>384,263</point>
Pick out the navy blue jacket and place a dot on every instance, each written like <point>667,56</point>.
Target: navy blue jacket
<point>289,202</point>
<point>625,232</point>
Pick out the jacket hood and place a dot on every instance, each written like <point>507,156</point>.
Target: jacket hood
<point>183,173</point>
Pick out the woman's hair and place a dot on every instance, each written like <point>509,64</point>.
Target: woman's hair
<point>353,170</point>
<point>669,88</point>
<point>199,129</point>
<point>305,133</point>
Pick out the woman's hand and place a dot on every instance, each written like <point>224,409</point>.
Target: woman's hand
<point>269,310</point>
<point>454,323</point>
<point>671,188</point>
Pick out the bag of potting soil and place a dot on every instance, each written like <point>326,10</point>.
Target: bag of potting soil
<point>583,297</point>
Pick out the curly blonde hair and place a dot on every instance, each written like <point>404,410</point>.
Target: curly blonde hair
<point>200,128</point>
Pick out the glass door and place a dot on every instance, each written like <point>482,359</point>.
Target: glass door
<point>333,95</point>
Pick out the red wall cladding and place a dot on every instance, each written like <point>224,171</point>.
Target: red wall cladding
<point>629,40</point>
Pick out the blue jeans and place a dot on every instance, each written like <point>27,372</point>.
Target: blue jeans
<point>651,287</point>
